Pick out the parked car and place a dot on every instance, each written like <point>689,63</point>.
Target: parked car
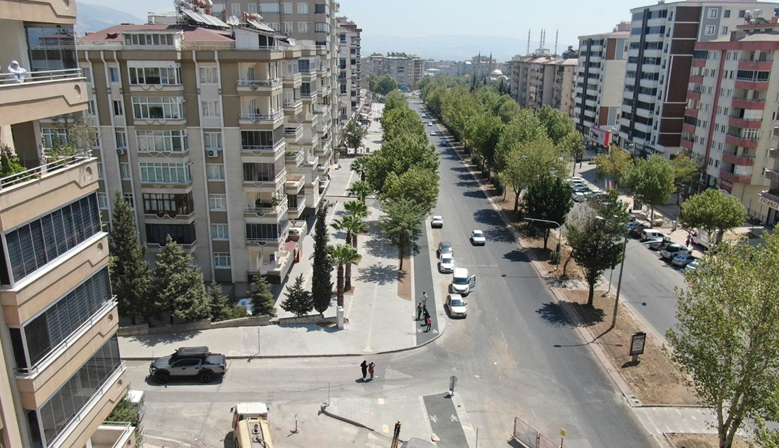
<point>446,265</point>
<point>636,231</point>
<point>437,222</point>
<point>691,266</point>
<point>444,142</point>
<point>445,248</point>
<point>433,133</point>
<point>246,303</point>
<point>651,234</point>
<point>683,259</point>
<point>430,123</point>
<point>632,224</point>
<point>659,243</point>
<point>575,180</point>
<point>578,196</point>
<point>188,362</point>
<point>456,305</point>
<point>477,238</point>
<point>673,250</point>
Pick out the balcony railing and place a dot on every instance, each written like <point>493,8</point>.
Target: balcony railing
<point>9,80</point>
<point>296,131</point>
<point>278,239</point>
<point>256,118</point>
<point>269,208</point>
<point>257,83</point>
<point>40,171</point>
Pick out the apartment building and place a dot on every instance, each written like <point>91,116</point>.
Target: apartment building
<point>731,120</point>
<point>349,69</point>
<point>660,55</point>
<point>407,70</point>
<point>542,79</point>
<point>218,136</point>
<point>599,83</point>
<point>61,373</point>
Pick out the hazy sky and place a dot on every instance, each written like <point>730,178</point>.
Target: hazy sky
<point>509,18</point>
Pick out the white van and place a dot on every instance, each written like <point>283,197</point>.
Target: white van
<point>138,401</point>
<point>652,234</point>
<point>461,282</point>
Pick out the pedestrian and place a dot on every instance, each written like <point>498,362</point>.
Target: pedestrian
<point>429,322</point>
<point>689,240</point>
<point>18,73</point>
<point>371,367</point>
<point>364,367</point>
<point>425,313</point>
<point>580,165</point>
<point>424,298</point>
<point>419,311</point>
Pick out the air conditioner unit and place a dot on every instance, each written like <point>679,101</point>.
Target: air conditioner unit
<point>120,151</point>
<point>213,153</point>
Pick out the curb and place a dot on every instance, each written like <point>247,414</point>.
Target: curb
<point>323,410</point>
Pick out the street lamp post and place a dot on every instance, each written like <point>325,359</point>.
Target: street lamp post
<point>559,237</point>
<point>619,279</point>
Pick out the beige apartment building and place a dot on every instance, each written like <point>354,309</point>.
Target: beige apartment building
<point>349,69</point>
<point>407,70</point>
<point>62,373</point>
<point>220,136</point>
<point>543,80</point>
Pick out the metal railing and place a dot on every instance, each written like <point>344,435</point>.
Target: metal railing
<point>274,115</point>
<point>11,79</point>
<point>42,170</point>
<point>255,83</point>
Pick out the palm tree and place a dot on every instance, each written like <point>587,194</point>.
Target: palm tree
<point>361,190</point>
<point>359,166</point>
<point>352,225</point>
<point>356,208</point>
<point>344,256</point>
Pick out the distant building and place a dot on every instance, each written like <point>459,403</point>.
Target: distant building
<point>542,79</point>
<point>407,70</point>
<point>349,70</point>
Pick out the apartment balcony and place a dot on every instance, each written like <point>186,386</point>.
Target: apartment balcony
<point>277,240</point>
<point>274,151</point>
<point>293,107</point>
<point>297,212</point>
<point>42,94</point>
<point>266,210</point>
<point>113,435</point>
<point>735,178</point>
<point>325,150</point>
<point>772,175</point>
<point>293,134</point>
<point>294,183</point>
<point>744,142</point>
<point>693,95</point>
<point>266,186</point>
<point>309,96</point>
<point>687,143</point>
<point>747,64</point>
<point>294,158</point>
<point>253,86</point>
<point>698,62</point>
<point>169,217</point>
<point>29,194</point>
<point>770,198</point>
<point>773,153</point>
<point>738,160</point>
<point>293,80</point>
<point>254,118</point>
<point>691,112</point>
<point>174,89</point>
<point>62,12</point>
<point>751,84</point>
<point>744,123</point>
<point>688,128</point>
<point>696,79</point>
<point>747,103</point>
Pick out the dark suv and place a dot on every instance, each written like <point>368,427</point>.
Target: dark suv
<point>188,362</point>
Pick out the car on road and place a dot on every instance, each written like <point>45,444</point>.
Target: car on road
<point>691,266</point>
<point>673,250</point>
<point>477,238</point>
<point>433,133</point>
<point>651,234</point>
<point>437,222</point>
<point>187,362</point>
<point>429,123</point>
<point>456,305</point>
<point>683,259</point>
<point>575,180</point>
<point>445,248</point>
<point>659,242</point>
<point>246,303</point>
<point>578,197</point>
<point>446,265</point>
<point>444,142</point>
<point>636,231</point>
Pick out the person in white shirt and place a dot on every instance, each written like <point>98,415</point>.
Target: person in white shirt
<point>17,73</point>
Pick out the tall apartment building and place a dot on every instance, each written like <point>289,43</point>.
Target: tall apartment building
<point>349,69</point>
<point>731,119</point>
<point>407,70</point>
<point>220,137</point>
<point>543,80</point>
<point>599,84</point>
<point>61,373</point>
<point>660,54</point>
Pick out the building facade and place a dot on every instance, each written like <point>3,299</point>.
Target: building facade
<point>407,70</point>
<point>731,120</point>
<point>543,80</point>
<point>349,70</point>
<point>62,373</point>
<point>660,55</point>
<point>599,83</point>
<point>220,137</point>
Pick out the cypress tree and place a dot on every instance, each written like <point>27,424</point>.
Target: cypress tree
<point>321,278</point>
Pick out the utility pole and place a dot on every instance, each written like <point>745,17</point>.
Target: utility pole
<point>396,435</point>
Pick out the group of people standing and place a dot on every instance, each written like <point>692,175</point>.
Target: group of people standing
<point>422,312</point>
<point>367,369</point>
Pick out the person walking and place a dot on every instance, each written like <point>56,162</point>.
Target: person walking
<point>425,313</point>
<point>419,311</point>
<point>689,240</point>
<point>424,298</point>
<point>364,367</point>
<point>429,322</point>
<point>371,367</point>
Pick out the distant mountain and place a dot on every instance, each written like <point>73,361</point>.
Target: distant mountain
<point>95,18</point>
<point>450,48</point>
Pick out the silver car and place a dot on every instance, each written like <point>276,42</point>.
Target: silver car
<point>456,305</point>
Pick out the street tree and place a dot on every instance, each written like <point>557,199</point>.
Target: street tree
<point>178,286</point>
<point>595,242</point>
<point>508,109</point>
<point>218,306</point>
<point>726,337</point>
<point>262,297</point>
<point>354,134</point>
<point>557,123</point>
<point>343,256</point>
<point>383,85</point>
<point>356,208</point>
<point>712,211</point>
<point>394,100</point>
<point>483,132</point>
<point>417,185</point>
<point>401,220</point>
<point>131,278</point>
<point>402,122</point>
<point>651,181</point>
<point>352,225</point>
<point>299,301</point>
<point>573,144</point>
<point>321,279</point>
<point>687,170</point>
<point>528,161</point>
<point>361,190</point>
<point>548,198</point>
<point>358,166</point>
<point>615,164</point>
<point>524,127</point>
<point>398,156</point>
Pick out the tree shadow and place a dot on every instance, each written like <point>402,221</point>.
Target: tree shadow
<point>554,315</point>
<point>151,340</point>
<point>461,169</point>
<point>588,314</point>
<point>475,193</point>
<point>380,247</point>
<point>378,273</point>
<point>517,255</point>
<point>467,184</point>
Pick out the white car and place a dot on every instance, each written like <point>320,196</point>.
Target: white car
<point>456,305</point>
<point>430,123</point>
<point>246,303</point>
<point>691,267</point>
<point>433,133</point>
<point>437,222</point>
<point>446,265</point>
<point>673,250</point>
<point>477,238</point>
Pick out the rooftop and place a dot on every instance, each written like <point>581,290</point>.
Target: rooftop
<point>191,33</point>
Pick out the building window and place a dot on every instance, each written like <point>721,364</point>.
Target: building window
<point>287,27</point>
<point>53,136</point>
<point>130,199</point>
<point>302,27</point>
<point>51,47</point>
<point>302,8</point>
<point>726,13</point>
<point>713,12</point>
<point>251,8</point>
<point>100,174</point>
<point>742,13</point>
<point>208,75</point>
<point>286,8</point>
<point>169,204</point>
<point>124,170</point>
<point>165,173</point>
<point>210,108</point>
<point>272,8</point>
<point>322,27</point>
<point>235,8</point>
<point>150,108</point>
<point>259,172</point>
<point>121,139</point>
<point>266,232</point>
<point>219,231</point>
<point>217,202</point>
<point>154,75</point>
<point>710,30</point>
<point>162,141</point>
<point>91,107</point>
<point>724,30</point>
<point>221,260</point>
<point>87,73</point>
<point>212,140</point>
<point>114,73</point>
<point>118,109</point>
<point>102,201</point>
<point>182,234</point>
<point>215,171</point>
<point>148,39</point>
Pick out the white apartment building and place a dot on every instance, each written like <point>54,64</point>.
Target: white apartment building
<point>349,69</point>
<point>542,79</point>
